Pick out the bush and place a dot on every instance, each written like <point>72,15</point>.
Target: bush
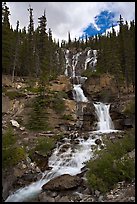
<point>43,146</point>
<point>8,138</point>
<point>14,94</point>
<point>112,165</point>
<point>11,154</point>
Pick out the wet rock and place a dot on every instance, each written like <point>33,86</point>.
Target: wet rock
<point>64,148</point>
<point>98,141</point>
<point>25,179</point>
<point>63,182</point>
<point>41,161</point>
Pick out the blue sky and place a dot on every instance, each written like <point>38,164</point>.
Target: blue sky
<point>103,21</point>
<point>77,18</point>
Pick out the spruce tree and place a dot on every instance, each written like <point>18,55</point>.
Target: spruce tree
<point>6,40</point>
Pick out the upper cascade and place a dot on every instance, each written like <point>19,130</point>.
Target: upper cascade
<point>78,61</point>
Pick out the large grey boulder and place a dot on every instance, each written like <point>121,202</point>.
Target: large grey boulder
<point>63,182</point>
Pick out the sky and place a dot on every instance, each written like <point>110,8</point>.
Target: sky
<point>78,18</point>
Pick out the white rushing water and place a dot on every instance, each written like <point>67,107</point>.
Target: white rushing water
<point>69,162</point>
<point>105,123</point>
<point>78,94</point>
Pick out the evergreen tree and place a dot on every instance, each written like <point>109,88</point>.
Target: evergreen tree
<point>16,55</point>
<point>6,39</point>
<point>31,45</point>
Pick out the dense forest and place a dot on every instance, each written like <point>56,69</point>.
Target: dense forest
<point>34,53</point>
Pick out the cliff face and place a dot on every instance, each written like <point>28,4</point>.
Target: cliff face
<point>78,61</point>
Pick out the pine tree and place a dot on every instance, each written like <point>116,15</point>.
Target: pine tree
<point>31,45</point>
<point>16,51</point>
<point>6,40</point>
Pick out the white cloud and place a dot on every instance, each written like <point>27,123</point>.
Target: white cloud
<point>68,16</point>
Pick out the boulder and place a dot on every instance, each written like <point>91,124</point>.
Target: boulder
<point>63,182</point>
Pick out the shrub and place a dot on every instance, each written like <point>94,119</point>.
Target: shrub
<point>112,165</point>
<point>11,154</point>
<point>14,94</point>
<point>44,146</point>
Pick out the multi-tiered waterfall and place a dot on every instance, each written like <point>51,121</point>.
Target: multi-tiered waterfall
<point>73,159</point>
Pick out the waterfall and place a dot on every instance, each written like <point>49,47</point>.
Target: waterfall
<point>78,94</point>
<point>105,123</point>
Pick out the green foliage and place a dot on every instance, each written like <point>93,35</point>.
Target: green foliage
<point>45,145</point>
<point>38,119</point>
<point>61,94</point>
<point>89,73</point>
<point>58,103</point>
<point>112,165</point>
<point>32,89</point>
<point>11,154</point>
<point>8,138</point>
<point>67,117</point>
<point>130,109</point>
<point>14,94</point>
<point>106,95</point>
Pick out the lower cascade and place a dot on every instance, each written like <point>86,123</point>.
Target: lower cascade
<point>69,162</point>
<point>72,160</point>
